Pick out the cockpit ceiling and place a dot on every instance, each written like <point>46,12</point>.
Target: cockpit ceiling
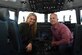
<point>46,6</point>
<point>41,6</point>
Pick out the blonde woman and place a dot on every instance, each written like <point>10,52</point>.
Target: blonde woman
<point>28,31</point>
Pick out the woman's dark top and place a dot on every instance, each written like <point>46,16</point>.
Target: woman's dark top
<point>26,34</point>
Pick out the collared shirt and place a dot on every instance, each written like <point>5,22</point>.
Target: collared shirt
<point>61,34</point>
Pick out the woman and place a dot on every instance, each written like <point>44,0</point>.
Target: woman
<point>28,31</point>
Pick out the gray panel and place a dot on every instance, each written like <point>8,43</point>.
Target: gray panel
<point>26,6</point>
<point>74,4</point>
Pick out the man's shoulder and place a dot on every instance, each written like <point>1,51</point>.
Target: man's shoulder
<point>62,25</point>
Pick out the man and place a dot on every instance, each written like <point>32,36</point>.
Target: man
<point>62,36</point>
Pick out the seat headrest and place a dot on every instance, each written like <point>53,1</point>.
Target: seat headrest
<point>2,17</point>
<point>4,14</point>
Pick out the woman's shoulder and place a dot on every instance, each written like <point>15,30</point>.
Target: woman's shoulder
<point>23,23</point>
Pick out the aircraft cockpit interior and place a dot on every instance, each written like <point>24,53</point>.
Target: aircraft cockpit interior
<point>15,12</point>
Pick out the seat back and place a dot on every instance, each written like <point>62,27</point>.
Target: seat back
<point>78,40</point>
<point>9,35</point>
<point>14,36</point>
<point>4,40</point>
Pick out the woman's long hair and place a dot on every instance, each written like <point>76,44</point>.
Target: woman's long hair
<point>34,26</point>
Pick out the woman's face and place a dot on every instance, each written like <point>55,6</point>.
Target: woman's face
<point>31,20</point>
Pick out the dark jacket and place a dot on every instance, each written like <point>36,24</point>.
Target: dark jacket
<point>25,34</point>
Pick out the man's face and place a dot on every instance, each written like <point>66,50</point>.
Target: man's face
<point>53,19</point>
